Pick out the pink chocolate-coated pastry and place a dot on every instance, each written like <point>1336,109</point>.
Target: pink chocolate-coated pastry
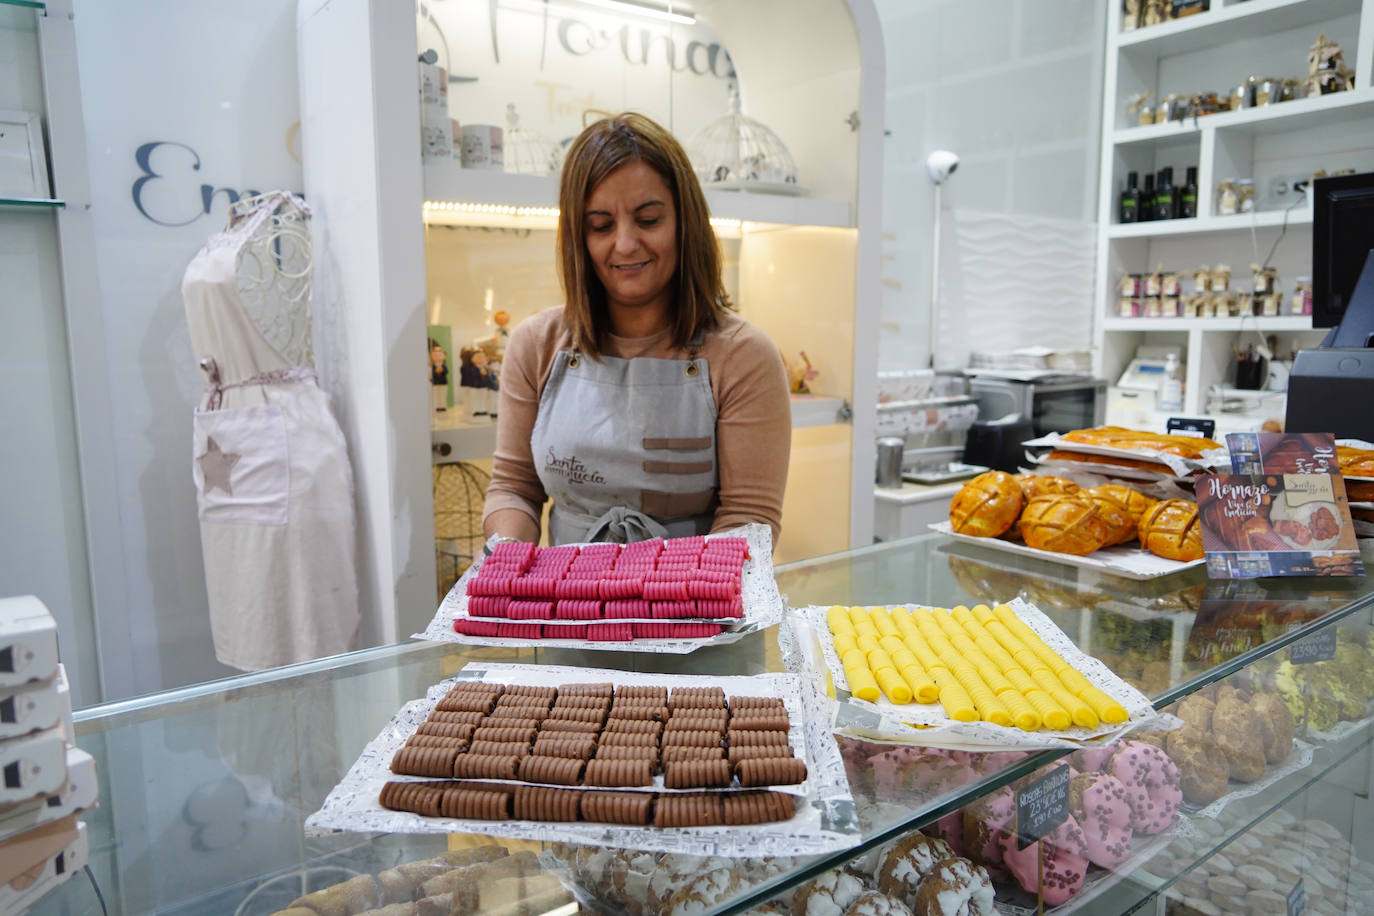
<point>985,823</point>
<point>1152,785</point>
<point>1065,864</point>
<point>1092,759</point>
<point>950,828</point>
<point>1099,801</point>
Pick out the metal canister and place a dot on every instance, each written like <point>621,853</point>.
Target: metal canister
<point>890,449</point>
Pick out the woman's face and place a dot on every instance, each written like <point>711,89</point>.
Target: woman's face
<point>631,234</point>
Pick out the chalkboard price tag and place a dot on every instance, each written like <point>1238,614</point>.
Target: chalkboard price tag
<point>1297,900</point>
<point>1041,806</point>
<point>1316,648</point>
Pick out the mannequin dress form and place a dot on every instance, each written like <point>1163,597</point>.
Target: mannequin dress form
<point>273,482</point>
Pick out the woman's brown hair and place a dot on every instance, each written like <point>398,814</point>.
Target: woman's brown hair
<point>603,147</point>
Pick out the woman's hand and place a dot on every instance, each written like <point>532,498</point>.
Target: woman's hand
<point>511,523</point>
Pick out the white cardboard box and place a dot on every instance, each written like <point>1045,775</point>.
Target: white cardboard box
<point>33,765</point>
<point>78,794</point>
<point>49,859</point>
<point>35,706</point>
<point>28,641</point>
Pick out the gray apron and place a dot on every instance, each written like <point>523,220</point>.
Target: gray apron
<point>626,448</point>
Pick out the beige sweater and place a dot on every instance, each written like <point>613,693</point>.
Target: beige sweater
<point>753,415</point>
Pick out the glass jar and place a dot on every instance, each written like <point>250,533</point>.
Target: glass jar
<point>1169,307</point>
<point>1239,97</point>
<point>1152,307</point>
<point>1132,285</point>
<point>1301,303</point>
<point>1245,304</point>
<point>1221,279</point>
<point>1267,92</point>
<point>1245,195</point>
<point>1128,307</point>
<point>1170,284</point>
<point>1154,284</point>
<point>1266,280</point>
<point>1228,200</point>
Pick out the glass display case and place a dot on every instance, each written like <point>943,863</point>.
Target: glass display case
<point>205,790</point>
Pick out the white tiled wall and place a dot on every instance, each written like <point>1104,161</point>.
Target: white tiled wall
<point>1014,88</point>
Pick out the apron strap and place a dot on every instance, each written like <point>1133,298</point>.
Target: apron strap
<point>624,526</point>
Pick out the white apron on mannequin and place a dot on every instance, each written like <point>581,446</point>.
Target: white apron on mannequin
<point>273,481</point>
<point>626,448</point>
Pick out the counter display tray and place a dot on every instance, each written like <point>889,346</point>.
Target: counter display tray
<point>809,649</point>
<point>762,608</point>
<point>1127,562</point>
<point>826,820</point>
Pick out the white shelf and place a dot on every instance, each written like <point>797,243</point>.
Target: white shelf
<point>449,182</point>
<point>1280,117</point>
<point>1243,323</point>
<point>1235,22</point>
<point>1241,222</point>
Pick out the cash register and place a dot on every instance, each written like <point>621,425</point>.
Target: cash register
<point>1331,387</point>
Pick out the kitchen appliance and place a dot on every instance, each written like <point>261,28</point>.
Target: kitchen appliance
<point>1146,370</point>
<point>997,443</point>
<point>930,412</point>
<point>1053,403</point>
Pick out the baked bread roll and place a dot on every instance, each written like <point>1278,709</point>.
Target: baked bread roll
<point>1203,770</point>
<point>1355,462</point>
<point>1063,524</point>
<point>1121,508</point>
<point>1120,437</point>
<point>1139,464</point>
<point>1276,726</point>
<point>1237,730</point>
<point>1170,529</point>
<point>986,506</point>
<point>1033,485</point>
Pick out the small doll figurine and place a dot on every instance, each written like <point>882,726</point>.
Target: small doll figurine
<point>473,379</point>
<point>438,377</point>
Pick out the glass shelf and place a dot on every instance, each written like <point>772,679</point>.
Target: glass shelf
<point>26,4</point>
<point>1170,637</point>
<point>31,203</point>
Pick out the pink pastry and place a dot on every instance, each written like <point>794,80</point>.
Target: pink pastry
<point>1099,802</point>
<point>1065,862</point>
<point>1092,759</point>
<point>1152,785</point>
<point>950,828</point>
<point>469,627</point>
<point>985,824</point>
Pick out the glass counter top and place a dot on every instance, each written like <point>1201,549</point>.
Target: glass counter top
<point>205,790</point>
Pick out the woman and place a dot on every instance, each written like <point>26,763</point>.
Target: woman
<point>644,407</point>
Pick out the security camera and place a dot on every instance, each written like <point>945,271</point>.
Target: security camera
<point>941,164</point>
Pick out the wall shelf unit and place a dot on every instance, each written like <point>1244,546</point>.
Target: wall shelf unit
<point>1273,145</point>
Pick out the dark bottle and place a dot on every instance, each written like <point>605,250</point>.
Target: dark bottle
<point>1147,200</point>
<point>1164,194</point>
<point>1187,198</point>
<point>1130,199</point>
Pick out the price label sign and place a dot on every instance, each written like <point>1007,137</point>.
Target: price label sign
<point>1042,806</point>
<point>1297,900</point>
<point>1318,647</point>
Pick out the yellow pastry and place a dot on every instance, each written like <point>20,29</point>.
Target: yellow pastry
<point>892,684</point>
<point>861,683</point>
<point>838,619</point>
<point>882,621</point>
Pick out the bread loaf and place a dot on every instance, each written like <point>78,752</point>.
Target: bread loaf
<point>1120,508</point>
<point>1063,524</point>
<point>987,505</point>
<point>1170,529</point>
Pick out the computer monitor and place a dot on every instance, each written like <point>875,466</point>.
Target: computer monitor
<point>1342,237</point>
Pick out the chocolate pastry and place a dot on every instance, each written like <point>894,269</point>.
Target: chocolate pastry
<point>580,747</point>
<point>499,748</point>
<point>445,729</point>
<point>586,690</point>
<point>741,704</point>
<point>541,803</point>
<point>526,690</point>
<point>471,717</point>
<point>760,723</point>
<point>689,752</point>
<point>624,752</point>
<point>577,714</point>
<point>570,725</point>
<point>658,713</point>
<point>582,702</point>
<point>415,797</point>
<point>473,804</point>
<point>739,738</point>
<point>619,773</point>
<point>682,722</point>
<point>478,766</point>
<point>424,761</point>
<point>437,741</point>
<point>497,721</point>
<point>693,738</point>
<point>629,739</point>
<point>697,809</point>
<point>697,698</point>
<point>741,808</point>
<point>697,774</point>
<point>630,808</point>
<point>489,733</point>
<point>770,771</point>
<point>751,752</point>
<point>563,771</point>
<point>641,691</point>
<point>647,726</point>
<point>466,701</point>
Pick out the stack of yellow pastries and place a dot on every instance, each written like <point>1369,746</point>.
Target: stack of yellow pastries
<point>980,664</point>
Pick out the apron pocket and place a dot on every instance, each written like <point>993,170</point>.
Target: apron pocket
<point>241,465</point>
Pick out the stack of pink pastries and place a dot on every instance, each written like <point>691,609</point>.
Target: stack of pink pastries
<point>658,589</point>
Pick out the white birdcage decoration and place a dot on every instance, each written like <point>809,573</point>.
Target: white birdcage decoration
<point>528,152</point>
<point>737,153</point>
